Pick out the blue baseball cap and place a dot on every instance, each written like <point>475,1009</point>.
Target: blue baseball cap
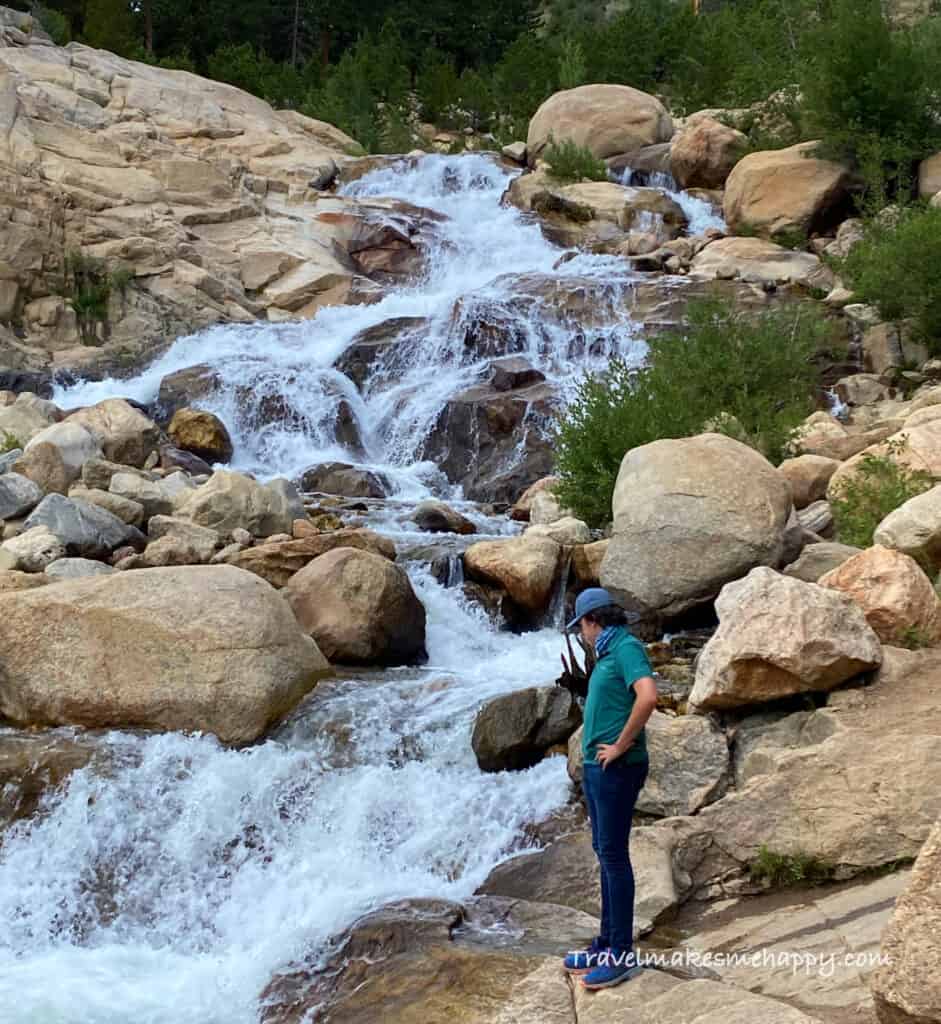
<point>590,600</point>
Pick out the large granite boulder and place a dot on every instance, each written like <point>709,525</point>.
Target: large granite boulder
<point>527,568</point>
<point>897,598</point>
<point>607,119</point>
<point>915,528</point>
<point>779,636</point>
<point>124,433</point>
<point>786,190</point>
<point>360,608</point>
<point>205,648</point>
<point>345,480</point>
<point>75,442</point>
<point>689,516</point>
<point>704,151</point>
<point>231,500</point>
<point>202,433</point>
<point>278,560</point>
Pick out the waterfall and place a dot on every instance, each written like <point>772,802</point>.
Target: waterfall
<point>486,262</point>
<point>172,884</point>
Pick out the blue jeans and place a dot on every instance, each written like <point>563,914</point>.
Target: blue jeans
<point>611,794</point>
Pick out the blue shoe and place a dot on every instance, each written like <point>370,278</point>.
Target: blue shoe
<point>611,970</point>
<point>578,961</point>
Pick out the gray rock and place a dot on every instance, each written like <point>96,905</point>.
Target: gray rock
<point>18,495</point>
<point>818,559</point>
<point>288,490</point>
<point>7,459</point>
<point>345,480</point>
<point>75,568</point>
<point>817,518</point>
<point>514,731</point>
<point>689,764</point>
<point>85,530</point>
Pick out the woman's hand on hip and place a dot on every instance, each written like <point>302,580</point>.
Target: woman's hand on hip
<point>608,752</point>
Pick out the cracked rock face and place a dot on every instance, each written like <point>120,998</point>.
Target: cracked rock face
<point>201,192</point>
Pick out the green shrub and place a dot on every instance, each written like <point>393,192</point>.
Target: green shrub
<point>897,267</point>
<point>572,65</point>
<point>56,24</point>
<point>88,285</point>
<point>868,86</point>
<point>569,162</point>
<point>748,375</point>
<point>8,442</point>
<point>878,486</point>
<point>784,869</point>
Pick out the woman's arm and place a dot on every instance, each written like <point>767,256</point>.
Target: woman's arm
<point>646,690</point>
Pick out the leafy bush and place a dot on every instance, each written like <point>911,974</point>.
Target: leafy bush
<point>879,486</point>
<point>570,162</point>
<point>748,375</point>
<point>897,267</point>
<point>868,86</point>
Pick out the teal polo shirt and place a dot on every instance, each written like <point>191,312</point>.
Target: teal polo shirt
<point>611,696</point>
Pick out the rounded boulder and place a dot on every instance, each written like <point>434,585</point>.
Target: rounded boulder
<point>607,119</point>
<point>208,648</point>
<point>359,607</point>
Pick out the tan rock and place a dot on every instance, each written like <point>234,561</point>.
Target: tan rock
<point>918,448</point>
<point>607,119</point>
<point>897,598</point>
<point>202,433</point>
<point>906,988</point>
<point>915,528</point>
<point>689,764</point>
<point>889,345</point>
<point>124,433</point>
<point>44,465</point>
<point>35,548</point>
<point>808,476</point>
<point>201,647</point>
<point>586,562</point>
<point>526,567</point>
<point>784,190</point>
<point>126,509</point>
<point>277,563</point>
<point>779,636</point>
<point>359,607</point>
<point>689,516</point>
<point>758,261</point>
<point>75,442</point>
<point>703,153</point>
<point>22,423</point>
<point>229,500</point>
<point>522,509</point>
<point>568,530</point>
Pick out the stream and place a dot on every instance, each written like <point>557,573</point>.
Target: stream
<point>171,878</point>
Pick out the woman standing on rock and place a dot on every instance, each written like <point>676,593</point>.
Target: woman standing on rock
<point>621,697</point>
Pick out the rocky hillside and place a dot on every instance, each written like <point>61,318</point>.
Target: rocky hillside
<point>139,203</point>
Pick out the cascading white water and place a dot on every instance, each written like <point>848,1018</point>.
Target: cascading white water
<point>478,257</point>
<point>700,214</point>
<point>172,887</point>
